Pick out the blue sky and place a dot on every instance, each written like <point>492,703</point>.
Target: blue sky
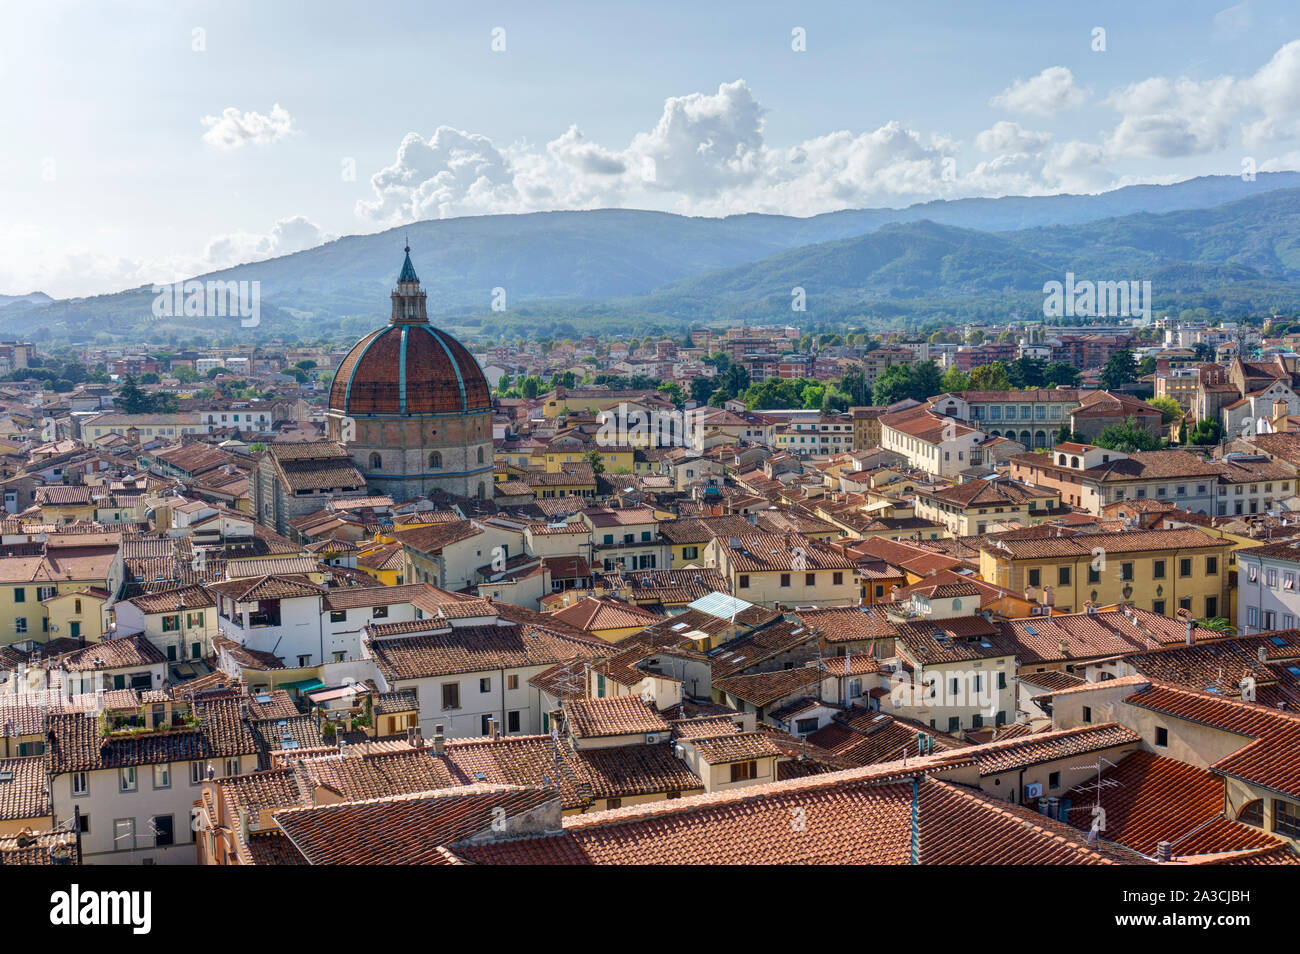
<point>137,149</point>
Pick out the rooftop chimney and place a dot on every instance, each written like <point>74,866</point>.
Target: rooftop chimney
<point>1191,631</point>
<point>439,741</point>
<point>243,825</point>
<point>1164,851</point>
<point>419,737</point>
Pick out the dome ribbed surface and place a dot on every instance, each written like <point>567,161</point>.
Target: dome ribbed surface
<point>409,369</point>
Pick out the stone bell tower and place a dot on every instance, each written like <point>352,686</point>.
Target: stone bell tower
<point>408,296</point>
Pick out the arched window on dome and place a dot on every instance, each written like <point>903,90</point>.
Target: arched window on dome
<point>480,455</point>
<point>435,460</point>
<point>376,462</point>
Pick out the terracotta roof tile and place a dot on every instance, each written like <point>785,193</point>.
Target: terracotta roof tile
<point>860,822</point>
<point>1149,799</point>
<point>616,715</point>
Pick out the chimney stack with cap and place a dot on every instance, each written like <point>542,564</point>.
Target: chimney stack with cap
<point>439,741</point>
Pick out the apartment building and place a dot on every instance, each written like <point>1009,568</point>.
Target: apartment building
<point>969,508</point>
<point>1268,596</point>
<point>1158,570</point>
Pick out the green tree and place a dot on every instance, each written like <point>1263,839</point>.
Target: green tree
<point>1206,431</point>
<point>774,393</point>
<point>734,381</point>
<point>1059,374</point>
<point>701,389</point>
<point>854,384</point>
<point>1064,434</point>
<point>149,377</point>
<point>1127,437</point>
<point>1119,370</point>
<point>674,391</point>
<point>990,377</point>
<point>1170,410</point>
<point>954,379</point>
<point>894,384</point>
<point>596,461</point>
<point>925,380</point>
<point>1027,372</point>
<point>835,400</point>
<point>131,399</point>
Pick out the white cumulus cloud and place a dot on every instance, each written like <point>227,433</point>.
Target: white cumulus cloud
<point>234,130</point>
<point>1051,92</point>
<point>1006,136</point>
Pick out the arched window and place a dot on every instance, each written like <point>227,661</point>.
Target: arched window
<point>1252,813</point>
<point>435,459</point>
<point>376,461</point>
<point>481,492</point>
<point>1074,462</point>
<point>480,455</point>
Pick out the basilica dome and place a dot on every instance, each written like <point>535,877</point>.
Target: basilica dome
<point>412,406</point>
<point>409,367</point>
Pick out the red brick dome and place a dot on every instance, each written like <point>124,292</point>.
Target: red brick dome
<point>409,368</point>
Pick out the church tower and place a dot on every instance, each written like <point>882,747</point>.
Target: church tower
<point>408,297</point>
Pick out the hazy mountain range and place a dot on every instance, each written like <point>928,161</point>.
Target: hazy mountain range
<point>1218,242</point>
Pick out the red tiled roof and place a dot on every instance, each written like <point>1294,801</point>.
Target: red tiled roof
<point>1025,750</point>
<point>476,649</point>
<point>593,614</point>
<point>857,822</point>
<point>616,715</point>
<point>1149,799</point>
<point>408,829</point>
<point>1271,760</point>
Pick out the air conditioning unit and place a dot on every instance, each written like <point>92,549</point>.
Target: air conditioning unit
<point>651,738</point>
<point>1033,790</point>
